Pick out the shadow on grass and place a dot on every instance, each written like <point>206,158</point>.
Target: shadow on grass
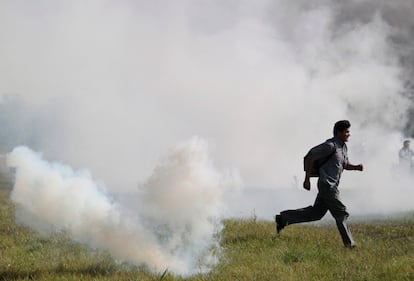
<point>92,271</point>
<point>16,275</point>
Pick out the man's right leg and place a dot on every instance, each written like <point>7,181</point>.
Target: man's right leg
<point>311,213</point>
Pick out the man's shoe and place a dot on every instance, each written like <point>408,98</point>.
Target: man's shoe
<point>280,224</point>
<point>350,246</point>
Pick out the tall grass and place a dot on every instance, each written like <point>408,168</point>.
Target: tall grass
<point>251,251</point>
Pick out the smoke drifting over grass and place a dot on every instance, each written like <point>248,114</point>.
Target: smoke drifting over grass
<point>171,224</point>
<point>110,86</point>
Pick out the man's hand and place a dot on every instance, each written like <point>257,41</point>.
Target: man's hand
<point>306,184</point>
<point>359,167</point>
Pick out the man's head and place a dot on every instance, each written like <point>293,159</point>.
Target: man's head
<point>341,130</point>
<point>406,144</point>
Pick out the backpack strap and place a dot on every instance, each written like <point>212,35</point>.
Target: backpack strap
<point>330,155</point>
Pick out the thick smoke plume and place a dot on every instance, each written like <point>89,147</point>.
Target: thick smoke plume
<point>110,85</point>
<point>168,223</point>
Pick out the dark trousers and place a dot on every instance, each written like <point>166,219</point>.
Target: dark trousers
<point>327,199</point>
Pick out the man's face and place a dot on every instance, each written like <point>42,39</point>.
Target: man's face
<point>344,135</point>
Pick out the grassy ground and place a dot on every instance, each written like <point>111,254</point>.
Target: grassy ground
<point>251,251</point>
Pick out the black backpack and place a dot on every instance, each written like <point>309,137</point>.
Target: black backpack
<point>317,164</point>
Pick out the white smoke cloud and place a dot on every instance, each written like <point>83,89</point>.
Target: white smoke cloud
<point>262,81</point>
<point>170,222</point>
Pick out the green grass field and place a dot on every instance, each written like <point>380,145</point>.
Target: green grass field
<point>251,251</point>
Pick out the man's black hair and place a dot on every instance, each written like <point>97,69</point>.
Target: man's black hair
<point>341,126</point>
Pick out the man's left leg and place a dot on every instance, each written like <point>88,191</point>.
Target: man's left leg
<point>339,212</point>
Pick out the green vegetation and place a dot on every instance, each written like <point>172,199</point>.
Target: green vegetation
<point>251,251</point>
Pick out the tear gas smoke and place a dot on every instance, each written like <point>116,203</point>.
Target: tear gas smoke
<point>171,224</point>
<point>110,85</point>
